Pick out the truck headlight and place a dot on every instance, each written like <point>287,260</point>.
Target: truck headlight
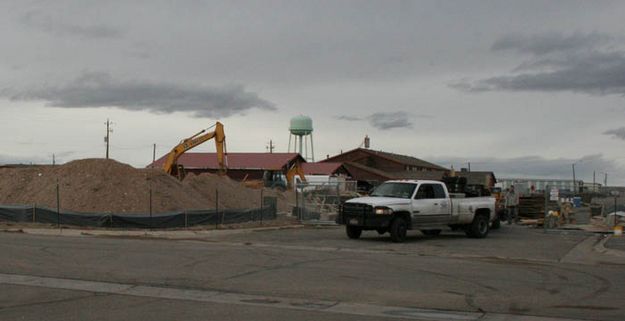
<point>383,211</point>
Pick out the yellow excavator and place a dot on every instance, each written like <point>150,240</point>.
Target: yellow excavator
<point>277,179</point>
<point>173,168</point>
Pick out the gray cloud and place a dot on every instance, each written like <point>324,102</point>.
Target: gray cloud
<point>390,120</point>
<point>540,167</point>
<point>550,42</point>
<point>616,133</point>
<point>58,26</point>
<point>577,63</point>
<point>348,118</point>
<point>386,120</point>
<point>96,89</point>
<point>11,159</point>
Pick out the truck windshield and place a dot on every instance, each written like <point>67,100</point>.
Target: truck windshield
<point>399,190</point>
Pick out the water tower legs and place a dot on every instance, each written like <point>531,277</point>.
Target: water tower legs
<point>312,151</point>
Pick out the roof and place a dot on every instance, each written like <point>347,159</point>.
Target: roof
<point>414,181</point>
<point>260,161</point>
<point>402,159</point>
<point>416,175</point>
<point>327,168</point>
<point>384,175</point>
<point>420,175</point>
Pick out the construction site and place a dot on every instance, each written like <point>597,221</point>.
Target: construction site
<point>184,188</point>
<point>355,160</point>
<point>107,193</point>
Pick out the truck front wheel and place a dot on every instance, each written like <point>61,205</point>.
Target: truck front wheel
<point>353,232</point>
<point>479,227</point>
<point>496,224</point>
<point>398,230</point>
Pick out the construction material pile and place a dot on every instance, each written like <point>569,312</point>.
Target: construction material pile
<point>533,207</point>
<point>107,186</point>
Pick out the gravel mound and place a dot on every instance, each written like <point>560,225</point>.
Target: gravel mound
<point>100,185</point>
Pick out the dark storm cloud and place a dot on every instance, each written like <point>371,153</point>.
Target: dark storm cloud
<point>94,89</point>
<point>536,166</point>
<point>616,133</point>
<point>580,63</point>
<point>58,26</point>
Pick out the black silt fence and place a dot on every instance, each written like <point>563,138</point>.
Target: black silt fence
<point>19,213</point>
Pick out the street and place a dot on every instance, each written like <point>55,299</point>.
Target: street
<point>311,273</point>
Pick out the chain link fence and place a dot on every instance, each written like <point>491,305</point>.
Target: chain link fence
<point>176,219</point>
<point>320,202</point>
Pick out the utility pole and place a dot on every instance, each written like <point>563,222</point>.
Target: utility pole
<point>605,180</point>
<point>53,159</point>
<point>107,137</point>
<point>271,146</point>
<point>153,155</point>
<point>574,183</point>
<point>469,163</point>
<point>593,181</point>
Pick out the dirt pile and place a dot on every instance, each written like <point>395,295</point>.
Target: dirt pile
<point>99,185</point>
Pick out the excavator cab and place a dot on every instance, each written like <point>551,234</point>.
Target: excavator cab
<point>274,179</point>
<point>279,180</point>
<point>179,172</point>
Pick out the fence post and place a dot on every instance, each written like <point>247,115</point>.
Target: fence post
<point>58,205</point>
<point>546,208</point>
<point>262,208</point>
<point>296,202</point>
<point>216,209</point>
<point>151,223</point>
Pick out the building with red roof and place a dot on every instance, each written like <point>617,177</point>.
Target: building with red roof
<point>239,165</point>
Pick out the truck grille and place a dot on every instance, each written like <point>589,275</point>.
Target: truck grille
<point>357,209</point>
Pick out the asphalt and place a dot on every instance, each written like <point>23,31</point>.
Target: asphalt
<point>616,243</point>
<point>310,274</point>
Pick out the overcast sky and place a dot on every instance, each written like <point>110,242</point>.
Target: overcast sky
<point>523,88</point>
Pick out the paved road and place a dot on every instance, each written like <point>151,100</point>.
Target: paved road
<point>616,243</point>
<point>309,274</point>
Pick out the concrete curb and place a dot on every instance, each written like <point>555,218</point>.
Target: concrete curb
<point>600,247</point>
<point>148,234</point>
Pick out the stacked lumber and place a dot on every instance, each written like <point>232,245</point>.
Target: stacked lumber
<point>533,207</point>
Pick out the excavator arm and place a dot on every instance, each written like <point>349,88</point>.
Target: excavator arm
<point>296,169</point>
<point>170,165</point>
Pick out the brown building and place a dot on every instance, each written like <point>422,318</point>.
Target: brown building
<point>486,179</point>
<point>370,167</point>
<point>325,168</point>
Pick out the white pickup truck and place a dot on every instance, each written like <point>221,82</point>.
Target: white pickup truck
<point>401,205</point>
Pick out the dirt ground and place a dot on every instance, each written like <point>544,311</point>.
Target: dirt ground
<point>100,185</point>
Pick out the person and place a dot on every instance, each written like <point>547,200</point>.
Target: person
<point>512,203</point>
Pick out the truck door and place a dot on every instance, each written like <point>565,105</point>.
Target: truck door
<point>430,205</point>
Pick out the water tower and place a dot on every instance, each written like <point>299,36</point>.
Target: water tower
<point>301,128</point>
